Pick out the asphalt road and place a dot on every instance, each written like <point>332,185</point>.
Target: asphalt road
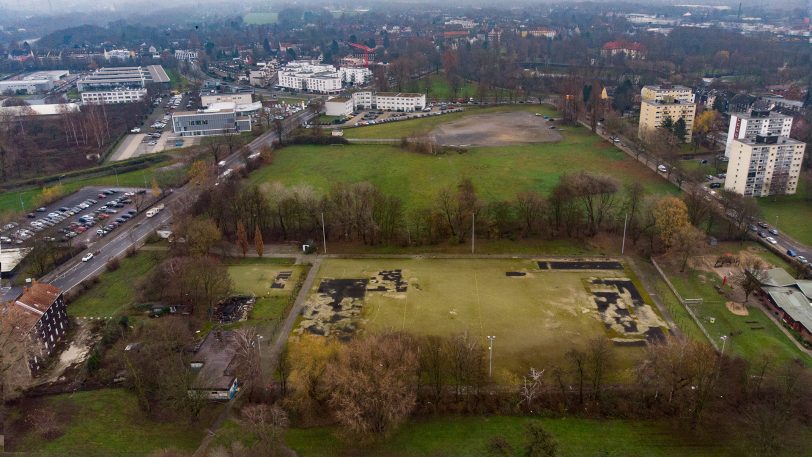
<point>74,272</point>
<point>784,242</point>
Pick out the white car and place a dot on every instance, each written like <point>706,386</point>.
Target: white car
<point>152,143</point>
<point>771,240</point>
<point>136,130</point>
<point>87,257</point>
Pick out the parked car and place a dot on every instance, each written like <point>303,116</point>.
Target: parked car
<point>774,231</point>
<point>772,240</point>
<point>792,253</point>
<point>87,257</point>
<point>802,260</point>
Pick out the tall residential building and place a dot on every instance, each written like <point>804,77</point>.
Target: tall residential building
<point>756,122</point>
<point>666,101</point>
<point>653,113</point>
<point>764,165</point>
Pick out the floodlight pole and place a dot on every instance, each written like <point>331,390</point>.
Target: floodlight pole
<point>724,342</point>
<point>473,231</point>
<point>323,233</point>
<point>490,355</point>
<point>623,245</point>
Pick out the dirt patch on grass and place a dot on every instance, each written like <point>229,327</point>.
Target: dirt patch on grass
<point>497,129</point>
<point>737,308</point>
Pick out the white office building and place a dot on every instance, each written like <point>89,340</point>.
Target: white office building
<point>356,76</point>
<point>764,165</point>
<point>120,54</point>
<point>338,106</point>
<point>185,54</point>
<point>107,97</point>
<point>313,76</point>
<point>213,121</point>
<point>389,101</point>
<point>756,122</point>
<point>240,98</point>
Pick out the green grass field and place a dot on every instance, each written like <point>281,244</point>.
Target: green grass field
<point>498,173</point>
<point>260,18</point>
<point>535,318</point>
<point>116,290</point>
<point>440,90</point>
<point>790,213</point>
<point>108,422</point>
<point>468,437</point>
<point>745,341</point>
<point>254,276</point>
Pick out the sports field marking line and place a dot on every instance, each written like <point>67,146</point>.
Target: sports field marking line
<point>478,310</point>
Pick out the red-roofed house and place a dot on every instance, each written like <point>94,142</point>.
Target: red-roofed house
<point>40,316</point>
<point>629,49</point>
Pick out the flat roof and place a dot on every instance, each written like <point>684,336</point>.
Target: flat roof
<point>158,74</point>
<point>397,94</point>
<point>669,102</point>
<point>772,115</point>
<point>660,87</point>
<point>794,303</point>
<point>782,140</point>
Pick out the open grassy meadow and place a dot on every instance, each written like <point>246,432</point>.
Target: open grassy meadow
<point>498,173</point>
<point>535,318</point>
<point>253,276</point>
<point>116,290</point>
<point>790,213</point>
<point>105,422</point>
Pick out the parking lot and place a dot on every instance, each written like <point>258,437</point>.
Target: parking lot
<point>374,117</point>
<point>80,218</point>
<point>154,135</point>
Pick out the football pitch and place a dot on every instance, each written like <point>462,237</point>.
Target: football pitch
<point>536,314</point>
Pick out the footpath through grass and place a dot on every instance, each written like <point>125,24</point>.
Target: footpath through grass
<point>107,422</point>
<point>790,213</point>
<point>116,290</point>
<point>498,173</point>
<point>468,436</point>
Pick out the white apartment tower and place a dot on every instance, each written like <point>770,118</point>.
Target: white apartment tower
<point>756,122</point>
<point>764,165</point>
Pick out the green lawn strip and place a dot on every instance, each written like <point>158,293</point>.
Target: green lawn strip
<point>424,125</point>
<point>468,436</point>
<point>792,213</point>
<point>116,290</point>
<point>497,173</point>
<point>10,200</point>
<point>108,422</point>
<point>746,339</point>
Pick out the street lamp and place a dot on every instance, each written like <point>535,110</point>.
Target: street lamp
<point>724,342</point>
<point>490,354</point>
<point>259,345</point>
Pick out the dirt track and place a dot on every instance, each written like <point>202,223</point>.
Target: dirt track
<point>498,129</point>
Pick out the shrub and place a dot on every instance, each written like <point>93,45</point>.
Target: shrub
<point>113,264</point>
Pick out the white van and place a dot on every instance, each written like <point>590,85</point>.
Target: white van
<point>662,169</point>
<point>152,212</point>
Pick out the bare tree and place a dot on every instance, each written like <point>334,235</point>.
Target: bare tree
<point>267,424</point>
<point>373,382</point>
<point>600,358</point>
<point>751,275</point>
<point>530,387</point>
